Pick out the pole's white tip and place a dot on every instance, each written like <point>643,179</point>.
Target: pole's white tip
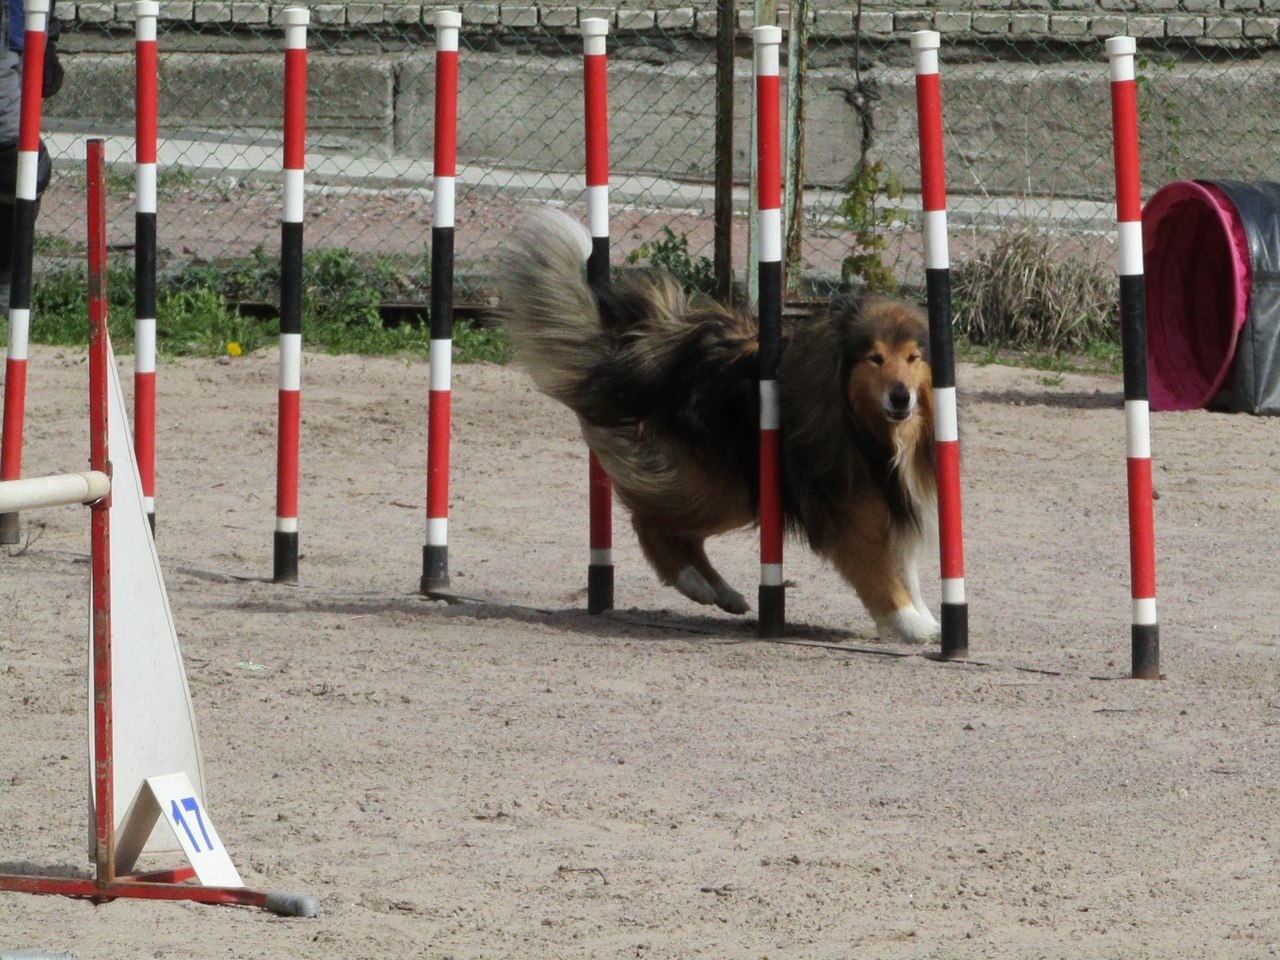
<point>448,20</point>
<point>295,16</point>
<point>37,6</point>
<point>766,35</point>
<point>146,8</point>
<point>594,27</point>
<point>926,40</point>
<point>1122,46</point>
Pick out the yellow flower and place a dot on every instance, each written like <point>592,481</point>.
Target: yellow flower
<point>233,349</point>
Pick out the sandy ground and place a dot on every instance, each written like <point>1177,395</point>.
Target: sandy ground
<point>522,780</point>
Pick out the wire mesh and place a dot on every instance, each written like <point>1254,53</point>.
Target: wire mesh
<point>1025,108</point>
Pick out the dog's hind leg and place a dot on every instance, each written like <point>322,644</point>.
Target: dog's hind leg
<point>681,562</point>
<point>726,598</point>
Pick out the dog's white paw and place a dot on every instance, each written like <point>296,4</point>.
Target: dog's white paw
<point>729,599</point>
<point>907,626</point>
<point>694,586</point>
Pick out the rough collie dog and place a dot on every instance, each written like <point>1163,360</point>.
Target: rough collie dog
<point>667,392</point>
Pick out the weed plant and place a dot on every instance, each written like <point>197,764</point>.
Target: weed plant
<point>1027,294</point>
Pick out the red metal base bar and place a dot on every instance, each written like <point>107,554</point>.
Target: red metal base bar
<point>147,889</point>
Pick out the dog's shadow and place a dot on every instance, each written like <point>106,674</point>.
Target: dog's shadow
<point>626,624</point>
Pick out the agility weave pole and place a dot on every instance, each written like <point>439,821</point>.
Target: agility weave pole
<point>444,164</point>
<point>285,570</point>
<point>26,194</point>
<point>95,487</point>
<point>937,272</point>
<point>1133,332</point>
<point>146,70</point>
<point>772,598</point>
<point>596,105</point>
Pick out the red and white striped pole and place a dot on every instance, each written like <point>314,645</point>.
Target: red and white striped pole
<point>1133,334</point>
<point>444,161</point>
<point>100,519</point>
<point>937,273</point>
<point>144,253</point>
<point>288,440</point>
<point>772,621</point>
<point>596,97</point>
<point>26,194</point>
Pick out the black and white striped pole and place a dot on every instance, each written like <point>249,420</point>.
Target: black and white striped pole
<point>146,92</point>
<point>596,104</point>
<point>1145,631</point>
<point>772,598</point>
<point>295,21</point>
<point>937,272</point>
<point>26,198</point>
<point>444,160</point>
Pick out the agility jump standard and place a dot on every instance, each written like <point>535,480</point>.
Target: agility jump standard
<point>937,272</point>
<point>170,796</point>
<point>1133,333</point>
<point>444,164</point>
<point>596,103</point>
<point>26,193</point>
<point>285,566</point>
<point>772,597</point>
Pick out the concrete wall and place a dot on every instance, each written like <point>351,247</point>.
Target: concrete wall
<point>1011,129</point>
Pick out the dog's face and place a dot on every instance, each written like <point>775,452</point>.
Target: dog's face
<point>888,376</point>
<point>888,381</point>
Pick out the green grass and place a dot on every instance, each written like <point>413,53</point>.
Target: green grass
<point>196,311</point>
<point>1095,356</point>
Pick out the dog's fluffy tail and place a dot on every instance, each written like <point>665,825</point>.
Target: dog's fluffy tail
<point>546,304</point>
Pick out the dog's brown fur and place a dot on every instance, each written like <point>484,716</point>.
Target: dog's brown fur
<point>666,391</point>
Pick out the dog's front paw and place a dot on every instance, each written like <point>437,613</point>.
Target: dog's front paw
<point>906,626</point>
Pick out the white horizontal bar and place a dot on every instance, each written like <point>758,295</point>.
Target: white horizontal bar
<point>937,253</point>
<point>598,210</point>
<point>145,179</point>
<point>19,333</point>
<point>437,531</point>
<point>144,345</point>
<point>946,426</point>
<point>294,195</point>
<point>290,361</point>
<point>286,524</point>
<point>770,406</point>
<point>1129,251</point>
<point>601,557</point>
<point>55,491</point>
<point>770,235</point>
<point>1144,612</point>
<point>770,574</point>
<point>1137,429</point>
<point>953,590</point>
<point>443,202</point>
<point>441,364</point>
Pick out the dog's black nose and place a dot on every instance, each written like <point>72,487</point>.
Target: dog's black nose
<point>899,399</point>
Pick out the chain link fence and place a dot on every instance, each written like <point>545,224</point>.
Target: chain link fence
<point>1025,103</point>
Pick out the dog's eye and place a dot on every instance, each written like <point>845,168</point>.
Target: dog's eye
<point>877,359</point>
<point>914,357</point>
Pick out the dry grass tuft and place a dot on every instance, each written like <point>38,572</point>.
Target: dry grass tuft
<point>1028,292</point>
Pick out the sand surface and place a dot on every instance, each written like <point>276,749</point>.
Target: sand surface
<point>520,779</point>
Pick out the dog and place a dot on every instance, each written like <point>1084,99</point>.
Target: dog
<point>666,389</point>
